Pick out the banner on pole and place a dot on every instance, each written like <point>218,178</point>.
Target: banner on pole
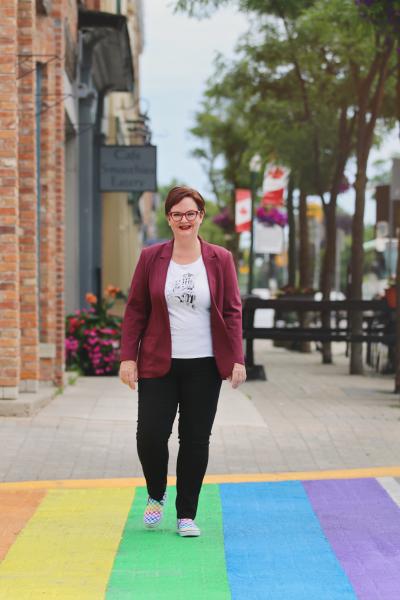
<point>242,210</point>
<point>274,184</point>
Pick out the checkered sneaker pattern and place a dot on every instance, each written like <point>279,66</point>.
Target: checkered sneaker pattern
<point>153,513</point>
<point>187,528</point>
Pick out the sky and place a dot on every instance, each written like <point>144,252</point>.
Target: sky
<point>176,62</point>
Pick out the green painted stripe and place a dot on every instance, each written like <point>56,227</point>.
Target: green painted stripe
<point>160,565</point>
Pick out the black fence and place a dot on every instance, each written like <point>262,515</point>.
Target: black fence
<point>301,320</point>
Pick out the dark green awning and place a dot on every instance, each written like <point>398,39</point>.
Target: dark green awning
<point>107,36</point>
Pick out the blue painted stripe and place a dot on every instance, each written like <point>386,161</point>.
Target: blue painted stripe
<point>274,546</point>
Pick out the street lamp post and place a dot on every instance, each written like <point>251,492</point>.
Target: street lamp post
<point>253,371</point>
<point>255,167</point>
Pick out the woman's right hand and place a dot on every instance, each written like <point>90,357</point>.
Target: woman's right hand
<point>128,373</point>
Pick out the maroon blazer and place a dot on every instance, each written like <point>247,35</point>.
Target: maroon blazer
<point>146,335</point>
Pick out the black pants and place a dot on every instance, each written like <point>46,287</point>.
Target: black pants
<point>193,384</point>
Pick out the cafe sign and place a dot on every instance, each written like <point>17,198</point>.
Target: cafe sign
<point>128,168</point>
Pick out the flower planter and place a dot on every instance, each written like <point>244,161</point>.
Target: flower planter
<point>92,340</point>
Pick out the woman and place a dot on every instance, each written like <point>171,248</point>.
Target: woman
<point>181,335</point>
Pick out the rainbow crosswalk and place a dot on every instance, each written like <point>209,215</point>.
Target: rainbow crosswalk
<point>331,537</point>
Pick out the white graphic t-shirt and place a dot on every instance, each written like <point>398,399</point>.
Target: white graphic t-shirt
<point>188,299</point>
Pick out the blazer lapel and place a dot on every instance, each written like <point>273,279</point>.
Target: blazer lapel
<point>211,265</point>
<point>162,270</point>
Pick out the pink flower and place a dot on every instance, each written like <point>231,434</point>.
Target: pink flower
<point>71,344</point>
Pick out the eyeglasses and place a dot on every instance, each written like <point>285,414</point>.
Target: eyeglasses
<point>189,214</point>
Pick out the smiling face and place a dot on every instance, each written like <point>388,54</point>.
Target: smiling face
<point>185,229</point>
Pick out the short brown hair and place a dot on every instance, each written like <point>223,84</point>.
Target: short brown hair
<point>176,194</point>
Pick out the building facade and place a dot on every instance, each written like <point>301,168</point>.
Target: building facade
<point>60,59</point>
<point>127,217</point>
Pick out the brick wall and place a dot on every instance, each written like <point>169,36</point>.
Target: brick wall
<point>29,348</point>
<point>59,157</point>
<point>32,319</point>
<point>9,210</point>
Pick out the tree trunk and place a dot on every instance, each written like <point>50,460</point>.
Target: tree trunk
<point>357,265</point>
<point>370,97</point>
<point>305,271</point>
<point>345,136</point>
<point>397,354</point>
<point>292,236</point>
<point>328,270</point>
<point>304,249</point>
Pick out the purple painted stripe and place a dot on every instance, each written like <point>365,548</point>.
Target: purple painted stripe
<point>362,524</point>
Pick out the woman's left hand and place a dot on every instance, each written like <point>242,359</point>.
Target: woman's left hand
<point>238,375</point>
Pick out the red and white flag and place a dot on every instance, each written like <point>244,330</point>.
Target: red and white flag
<point>242,210</point>
<point>275,182</point>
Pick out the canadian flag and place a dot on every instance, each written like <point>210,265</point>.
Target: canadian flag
<point>274,184</point>
<point>242,210</point>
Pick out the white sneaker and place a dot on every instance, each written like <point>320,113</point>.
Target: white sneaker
<point>153,513</point>
<point>187,528</point>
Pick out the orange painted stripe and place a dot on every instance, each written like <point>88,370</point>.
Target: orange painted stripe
<point>16,508</point>
<point>233,478</point>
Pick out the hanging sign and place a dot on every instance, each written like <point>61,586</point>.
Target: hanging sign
<point>128,168</point>
<point>268,240</point>
<point>274,184</point>
<point>242,210</point>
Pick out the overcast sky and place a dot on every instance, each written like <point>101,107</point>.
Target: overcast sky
<point>176,62</point>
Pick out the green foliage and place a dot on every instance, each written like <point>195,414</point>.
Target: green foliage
<point>300,67</point>
<point>383,14</point>
<point>204,8</point>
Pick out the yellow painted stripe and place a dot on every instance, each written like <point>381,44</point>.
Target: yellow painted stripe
<point>129,482</point>
<point>16,508</point>
<point>63,484</point>
<point>66,550</point>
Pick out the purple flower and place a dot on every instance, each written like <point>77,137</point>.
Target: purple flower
<point>223,219</point>
<point>271,216</point>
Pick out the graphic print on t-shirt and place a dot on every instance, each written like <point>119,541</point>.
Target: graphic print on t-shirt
<point>183,290</point>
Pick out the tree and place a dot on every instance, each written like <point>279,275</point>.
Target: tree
<point>385,16</point>
<point>277,86</point>
<point>369,88</point>
<point>341,64</point>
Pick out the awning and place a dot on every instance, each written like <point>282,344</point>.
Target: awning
<point>107,36</point>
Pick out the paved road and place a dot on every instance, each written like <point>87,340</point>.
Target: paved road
<point>313,538</point>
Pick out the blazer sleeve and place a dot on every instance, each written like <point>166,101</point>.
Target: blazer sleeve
<point>136,312</point>
<point>232,309</point>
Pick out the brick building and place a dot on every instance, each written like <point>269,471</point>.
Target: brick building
<point>58,60</point>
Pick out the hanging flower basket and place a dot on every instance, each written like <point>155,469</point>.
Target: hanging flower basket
<point>224,220</point>
<point>271,216</point>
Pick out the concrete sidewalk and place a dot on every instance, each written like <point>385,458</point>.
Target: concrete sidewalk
<point>307,416</point>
